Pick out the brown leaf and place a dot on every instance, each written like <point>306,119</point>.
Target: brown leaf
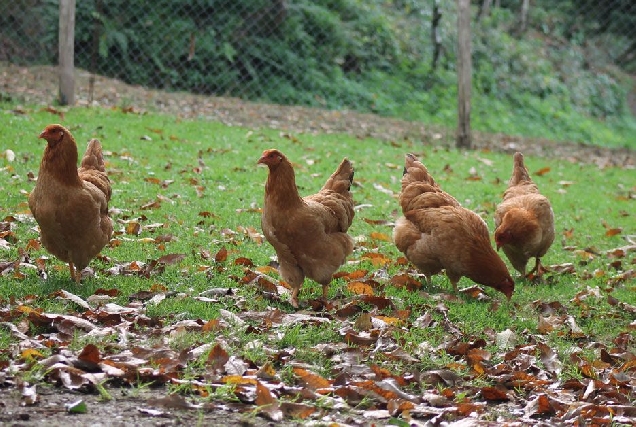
<point>163,238</point>
<point>90,354</point>
<point>498,393</point>
<point>545,325</point>
<point>380,302</point>
<point>475,358</point>
<point>550,359</point>
<point>464,409</point>
<point>253,234</point>
<point>539,406</point>
<point>444,377</point>
<point>244,261</point>
<point>402,355</point>
<point>217,358</point>
<point>361,340</point>
<point>169,259</point>
<point>542,171</point>
<point>221,255</point>
<point>156,204</point>
<point>296,410</point>
<point>380,236</point>
<point>30,354</point>
<point>133,228</point>
<point>267,269</point>
<point>211,325</point>
<point>378,260</point>
<point>360,288</point>
<point>405,281</point>
<point>311,380</point>
<point>238,380</point>
<point>388,319</point>
<point>613,232</point>
<point>349,310</point>
<point>152,180</point>
<point>266,372</point>
<point>266,285</point>
<point>351,275</point>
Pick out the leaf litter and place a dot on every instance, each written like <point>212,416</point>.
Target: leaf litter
<point>374,375</point>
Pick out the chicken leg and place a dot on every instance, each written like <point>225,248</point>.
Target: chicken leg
<point>75,275</point>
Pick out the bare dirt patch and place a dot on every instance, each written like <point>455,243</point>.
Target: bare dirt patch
<point>127,407</point>
<point>39,85</point>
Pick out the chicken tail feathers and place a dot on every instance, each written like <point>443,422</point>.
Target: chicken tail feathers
<point>415,171</point>
<point>419,189</point>
<point>519,171</point>
<point>93,158</point>
<point>93,170</point>
<point>340,181</point>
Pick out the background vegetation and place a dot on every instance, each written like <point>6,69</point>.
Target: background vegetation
<point>566,77</point>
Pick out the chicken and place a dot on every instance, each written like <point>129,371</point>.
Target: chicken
<point>308,234</point>
<point>436,233</point>
<point>69,204</point>
<point>524,221</point>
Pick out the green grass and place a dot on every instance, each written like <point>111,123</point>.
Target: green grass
<point>212,189</point>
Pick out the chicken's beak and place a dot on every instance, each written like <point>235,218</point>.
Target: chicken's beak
<point>42,135</point>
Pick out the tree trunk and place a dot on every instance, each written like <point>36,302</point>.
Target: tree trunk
<point>464,72</point>
<point>97,30</point>
<point>484,9</point>
<point>523,16</point>
<point>435,36</point>
<point>66,45</point>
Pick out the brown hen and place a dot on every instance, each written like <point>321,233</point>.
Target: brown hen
<point>436,233</point>
<point>524,221</point>
<point>308,234</point>
<point>69,204</point>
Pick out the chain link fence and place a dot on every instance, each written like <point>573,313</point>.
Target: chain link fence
<point>328,53</point>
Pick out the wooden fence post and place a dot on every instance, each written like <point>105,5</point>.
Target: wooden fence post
<point>436,38</point>
<point>523,16</point>
<point>464,75</point>
<point>66,52</point>
<point>484,9</point>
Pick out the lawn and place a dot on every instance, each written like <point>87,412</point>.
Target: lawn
<point>186,295</point>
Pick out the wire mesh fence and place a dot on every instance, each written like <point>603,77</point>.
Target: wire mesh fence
<point>329,53</point>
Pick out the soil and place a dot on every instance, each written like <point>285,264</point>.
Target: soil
<point>127,408</point>
<point>39,85</point>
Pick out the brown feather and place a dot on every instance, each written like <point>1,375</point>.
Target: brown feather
<point>71,205</point>
<point>308,234</point>
<point>524,220</point>
<point>436,233</point>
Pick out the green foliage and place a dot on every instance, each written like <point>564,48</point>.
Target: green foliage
<point>556,81</point>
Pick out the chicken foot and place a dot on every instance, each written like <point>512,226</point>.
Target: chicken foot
<point>325,288</point>
<point>537,271</point>
<point>294,297</point>
<point>75,275</point>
